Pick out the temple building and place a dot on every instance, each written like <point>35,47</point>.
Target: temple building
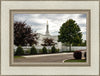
<point>58,45</point>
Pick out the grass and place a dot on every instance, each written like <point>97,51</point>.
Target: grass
<point>67,51</point>
<point>75,60</point>
<point>18,57</point>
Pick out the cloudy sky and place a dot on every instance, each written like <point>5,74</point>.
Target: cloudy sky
<point>38,22</point>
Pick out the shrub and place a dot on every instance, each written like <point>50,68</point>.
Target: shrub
<point>33,50</point>
<point>40,51</point>
<point>77,54</point>
<point>85,55</point>
<point>27,51</point>
<point>53,49</point>
<point>19,51</point>
<point>44,50</point>
<point>57,50</point>
<point>14,52</point>
<point>49,51</point>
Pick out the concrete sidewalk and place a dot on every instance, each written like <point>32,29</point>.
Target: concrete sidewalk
<point>42,55</point>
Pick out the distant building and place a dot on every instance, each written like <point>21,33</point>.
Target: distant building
<point>58,45</point>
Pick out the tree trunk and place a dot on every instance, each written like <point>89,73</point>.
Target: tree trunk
<point>70,47</point>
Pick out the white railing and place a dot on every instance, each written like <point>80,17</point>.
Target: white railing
<point>64,48</point>
<point>73,48</point>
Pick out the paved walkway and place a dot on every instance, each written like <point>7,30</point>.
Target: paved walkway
<point>58,57</point>
<point>42,55</point>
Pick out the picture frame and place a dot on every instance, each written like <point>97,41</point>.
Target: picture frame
<point>12,12</point>
<point>8,35</point>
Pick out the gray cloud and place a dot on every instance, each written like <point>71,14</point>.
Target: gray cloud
<point>33,23</point>
<point>38,21</point>
<point>84,33</point>
<point>21,17</point>
<point>48,16</point>
<point>82,25</point>
<point>54,33</point>
<point>82,16</point>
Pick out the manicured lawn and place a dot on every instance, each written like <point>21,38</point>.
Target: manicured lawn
<point>67,51</point>
<point>74,60</point>
<point>18,57</point>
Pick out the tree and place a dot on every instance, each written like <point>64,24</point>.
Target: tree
<point>70,33</point>
<point>53,49</point>
<point>83,43</point>
<point>19,51</point>
<point>48,42</point>
<point>33,50</point>
<point>44,50</point>
<point>23,34</point>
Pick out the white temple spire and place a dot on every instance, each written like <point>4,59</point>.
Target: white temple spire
<point>47,29</point>
<point>47,22</point>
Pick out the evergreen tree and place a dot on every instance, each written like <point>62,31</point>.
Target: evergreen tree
<point>44,50</point>
<point>53,49</point>
<point>33,50</point>
<point>19,51</point>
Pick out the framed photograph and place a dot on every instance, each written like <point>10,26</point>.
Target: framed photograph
<point>46,37</point>
<point>50,38</point>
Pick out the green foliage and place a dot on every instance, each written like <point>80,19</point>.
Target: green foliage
<point>75,60</point>
<point>49,50</point>
<point>53,49</point>
<point>40,51</point>
<point>28,51</point>
<point>44,50</point>
<point>80,44</point>
<point>19,51</point>
<point>14,52</point>
<point>57,50</point>
<point>70,33</point>
<point>83,43</point>
<point>33,50</point>
<point>68,51</point>
<point>18,57</point>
